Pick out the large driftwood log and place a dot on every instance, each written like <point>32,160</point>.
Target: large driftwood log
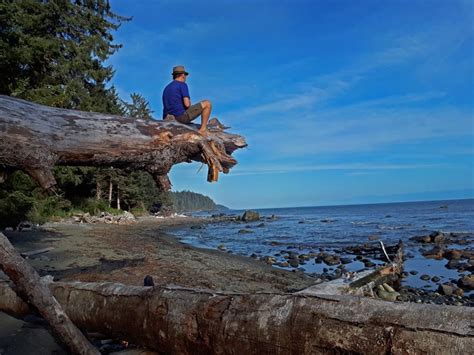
<point>34,138</point>
<point>176,320</point>
<point>29,285</point>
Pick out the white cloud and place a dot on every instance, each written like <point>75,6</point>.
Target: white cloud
<point>356,168</point>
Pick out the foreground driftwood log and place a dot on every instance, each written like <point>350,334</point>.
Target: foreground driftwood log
<point>29,285</point>
<point>34,138</point>
<point>184,321</point>
<point>363,283</point>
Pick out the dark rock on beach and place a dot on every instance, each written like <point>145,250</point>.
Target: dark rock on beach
<point>446,289</point>
<point>346,260</point>
<point>331,260</point>
<point>437,237</point>
<point>434,253</point>
<point>250,216</point>
<point>244,231</point>
<point>453,254</point>
<point>466,282</point>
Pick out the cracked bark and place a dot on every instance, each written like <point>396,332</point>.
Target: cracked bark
<point>34,138</point>
<point>178,320</point>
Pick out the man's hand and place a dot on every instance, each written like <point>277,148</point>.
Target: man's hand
<point>186,102</point>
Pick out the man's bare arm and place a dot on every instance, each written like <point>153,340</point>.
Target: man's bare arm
<point>186,102</point>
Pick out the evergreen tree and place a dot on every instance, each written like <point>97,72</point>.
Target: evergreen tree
<point>54,51</point>
<point>138,108</point>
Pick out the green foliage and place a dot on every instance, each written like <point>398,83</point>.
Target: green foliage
<point>53,52</point>
<point>45,208</point>
<point>139,107</point>
<point>13,208</point>
<point>94,206</point>
<point>21,199</point>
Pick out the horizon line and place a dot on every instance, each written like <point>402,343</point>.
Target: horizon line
<point>348,205</point>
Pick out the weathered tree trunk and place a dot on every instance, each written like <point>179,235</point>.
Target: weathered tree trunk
<point>29,285</point>
<point>111,186</point>
<point>118,198</point>
<point>98,191</point>
<point>190,321</point>
<point>34,138</point>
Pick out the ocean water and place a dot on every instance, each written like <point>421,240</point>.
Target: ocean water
<point>332,228</point>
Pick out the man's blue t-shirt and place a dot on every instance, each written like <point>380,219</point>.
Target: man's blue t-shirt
<point>173,98</point>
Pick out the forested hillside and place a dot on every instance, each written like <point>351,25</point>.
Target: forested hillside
<point>187,201</point>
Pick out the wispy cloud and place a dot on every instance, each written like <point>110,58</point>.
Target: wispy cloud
<point>359,167</point>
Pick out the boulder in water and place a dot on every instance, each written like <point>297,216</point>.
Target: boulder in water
<point>250,215</point>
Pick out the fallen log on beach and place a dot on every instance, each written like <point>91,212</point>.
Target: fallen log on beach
<point>34,138</point>
<point>37,293</point>
<point>183,321</point>
<point>363,283</point>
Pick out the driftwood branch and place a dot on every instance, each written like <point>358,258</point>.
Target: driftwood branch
<point>33,290</point>
<point>177,320</point>
<point>34,138</point>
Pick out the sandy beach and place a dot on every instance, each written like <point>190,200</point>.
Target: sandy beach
<point>126,254</point>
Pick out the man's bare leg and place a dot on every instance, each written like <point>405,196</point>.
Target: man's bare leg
<point>206,113</point>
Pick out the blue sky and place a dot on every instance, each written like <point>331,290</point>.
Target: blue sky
<point>341,102</point>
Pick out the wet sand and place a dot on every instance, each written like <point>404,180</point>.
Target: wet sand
<point>126,254</point>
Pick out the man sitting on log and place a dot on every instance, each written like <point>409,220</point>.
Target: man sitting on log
<point>176,101</point>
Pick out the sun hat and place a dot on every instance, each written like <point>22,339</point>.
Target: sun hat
<point>179,69</point>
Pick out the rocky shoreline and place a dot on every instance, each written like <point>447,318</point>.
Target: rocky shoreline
<point>341,262</point>
<point>130,252</point>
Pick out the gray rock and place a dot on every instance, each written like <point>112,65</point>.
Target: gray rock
<point>331,260</point>
<point>294,262</point>
<point>435,279</point>
<point>421,239</point>
<point>446,289</point>
<point>387,296</point>
<point>346,260</point>
<point>250,215</point>
<point>452,264</point>
<point>453,254</point>
<point>466,282</point>
<point>244,231</point>
<point>425,277</point>
<point>388,288</point>
<point>437,237</point>
<point>434,253</point>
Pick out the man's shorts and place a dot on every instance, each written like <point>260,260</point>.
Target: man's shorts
<point>190,114</point>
